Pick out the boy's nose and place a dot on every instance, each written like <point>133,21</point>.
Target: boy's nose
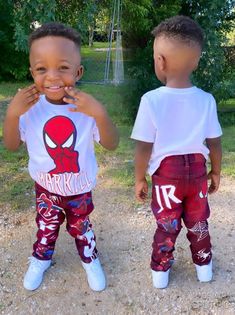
<point>52,74</point>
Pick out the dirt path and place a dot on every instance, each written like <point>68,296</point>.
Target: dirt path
<point>124,231</point>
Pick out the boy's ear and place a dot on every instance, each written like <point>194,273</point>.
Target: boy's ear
<point>80,72</point>
<point>31,71</point>
<point>161,62</point>
<point>195,66</point>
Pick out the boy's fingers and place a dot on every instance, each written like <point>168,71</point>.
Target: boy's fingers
<point>141,195</point>
<point>32,92</point>
<point>32,98</point>
<point>28,89</point>
<point>71,91</point>
<point>212,189</point>
<point>71,101</point>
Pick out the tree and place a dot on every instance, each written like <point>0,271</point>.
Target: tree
<point>216,17</point>
<point>26,12</point>
<point>13,63</point>
<point>17,21</point>
<point>140,16</point>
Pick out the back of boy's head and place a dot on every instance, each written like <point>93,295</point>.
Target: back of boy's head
<point>180,28</point>
<point>55,29</point>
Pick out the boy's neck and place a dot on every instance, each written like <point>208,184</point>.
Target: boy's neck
<point>179,83</point>
<point>57,102</point>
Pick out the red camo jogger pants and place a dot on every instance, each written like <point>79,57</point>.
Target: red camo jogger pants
<point>51,212</point>
<point>179,191</point>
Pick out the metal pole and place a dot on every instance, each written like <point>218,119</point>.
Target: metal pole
<point>108,56</point>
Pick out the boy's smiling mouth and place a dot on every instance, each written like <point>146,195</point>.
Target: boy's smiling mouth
<point>54,87</point>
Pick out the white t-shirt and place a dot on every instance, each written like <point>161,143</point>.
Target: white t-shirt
<point>60,145</point>
<point>176,121</point>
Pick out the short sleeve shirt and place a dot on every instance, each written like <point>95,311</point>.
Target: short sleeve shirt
<point>176,121</point>
<point>60,146</point>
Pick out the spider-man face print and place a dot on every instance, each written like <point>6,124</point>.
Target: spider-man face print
<point>59,134</point>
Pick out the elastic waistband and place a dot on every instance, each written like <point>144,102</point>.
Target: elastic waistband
<point>41,189</point>
<point>185,159</point>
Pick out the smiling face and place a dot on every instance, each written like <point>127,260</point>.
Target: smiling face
<point>54,64</point>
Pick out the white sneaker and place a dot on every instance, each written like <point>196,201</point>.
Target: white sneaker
<point>204,273</point>
<point>34,274</point>
<point>160,279</point>
<point>95,275</point>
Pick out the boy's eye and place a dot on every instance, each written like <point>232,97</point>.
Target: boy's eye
<point>64,67</point>
<point>40,69</point>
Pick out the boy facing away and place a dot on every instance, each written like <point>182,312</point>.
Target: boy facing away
<point>59,125</point>
<point>172,126</point>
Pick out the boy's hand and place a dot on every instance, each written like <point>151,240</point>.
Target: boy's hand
<point>141,190</point>
<point>215,181</point>
<point>21,103</point>
<point>88,105</point>
<point>23,100</point>
<point>85,103</point>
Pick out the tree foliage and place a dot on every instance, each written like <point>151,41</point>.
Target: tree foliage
<point>139,17</point>
<point>215,17</point>
<point>25,13</point>
<point>13,63</point>
<point>18,18</point>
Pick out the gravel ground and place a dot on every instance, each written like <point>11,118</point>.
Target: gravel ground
<point>124,234</point>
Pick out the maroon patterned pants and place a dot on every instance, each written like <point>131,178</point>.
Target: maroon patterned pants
<point>51,212</point>
<point>179,192</point>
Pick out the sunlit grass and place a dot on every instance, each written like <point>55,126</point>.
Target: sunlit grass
<point>227,105</point>
<point>8,89</point>
<point>228,143</point>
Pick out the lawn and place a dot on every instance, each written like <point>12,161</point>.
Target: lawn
<point>16,186</point>
<point>94,61</point>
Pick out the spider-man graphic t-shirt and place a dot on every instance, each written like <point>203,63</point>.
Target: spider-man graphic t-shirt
<point>60,145</point>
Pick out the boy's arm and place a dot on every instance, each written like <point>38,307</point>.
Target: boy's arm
<point>11,133</point>
<point>87,104</point>
<point>109,137</point>
<point>143,152</point>
<point>214,145</point>
<point>22,102</point>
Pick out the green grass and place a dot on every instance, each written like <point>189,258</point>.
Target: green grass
<point>228,105</point>
<point>94,60</point>
<point>228,143</point>
<point>226,111</point>
<point>8,89</point>
<point>120,162</point>
<point>112,97</point>
<point>16,187</point>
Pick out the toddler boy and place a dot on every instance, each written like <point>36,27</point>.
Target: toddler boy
<point>176,129</point>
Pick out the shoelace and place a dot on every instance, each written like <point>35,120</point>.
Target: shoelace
<point>35,264</point>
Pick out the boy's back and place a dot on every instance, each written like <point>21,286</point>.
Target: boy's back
<point>180,119</point>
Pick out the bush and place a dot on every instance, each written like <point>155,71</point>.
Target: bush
<point>227,118</point>
<point>14,64</point>
<point>142,79</point>
<point>213,75</point>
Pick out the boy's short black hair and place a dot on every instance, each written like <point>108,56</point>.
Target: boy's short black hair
<point>55,29</point>
<point>180,27</point>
